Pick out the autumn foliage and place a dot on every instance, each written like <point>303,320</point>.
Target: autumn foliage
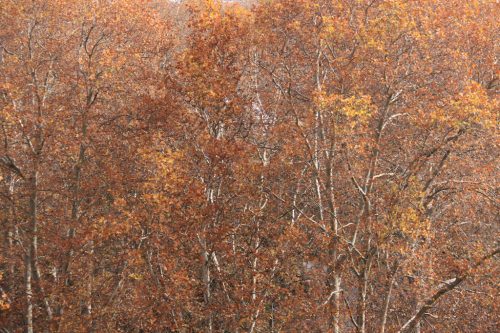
<point>249,166</point>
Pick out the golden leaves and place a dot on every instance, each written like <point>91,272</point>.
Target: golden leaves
<point>387,22</point>
<point>135,276</point>
<point>469,107</point>
<point>356,109</point>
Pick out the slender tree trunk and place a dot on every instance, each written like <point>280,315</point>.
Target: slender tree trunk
<point>365,274</point>
<point>31,248</point>
<point>38,279</point>
<point>362,304</point>
<point>90,286</point>
<point>35,269</point>
<point>29,293</point>
<point>206,283</point>
<point>336,300</point>
<point>387,303</point>
<point>75,204</point>
<point>334,224</point>
<point>255,316</point>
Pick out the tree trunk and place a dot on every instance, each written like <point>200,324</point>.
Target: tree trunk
<point>29,294</point>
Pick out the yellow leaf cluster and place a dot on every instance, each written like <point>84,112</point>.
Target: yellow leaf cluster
<point>473,106</point>
<point>357,109</point>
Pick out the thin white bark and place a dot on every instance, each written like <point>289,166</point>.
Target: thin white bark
<point>29,292</point>
<point>387,302</point>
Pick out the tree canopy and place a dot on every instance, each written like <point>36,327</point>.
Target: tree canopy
<point>254,166</point>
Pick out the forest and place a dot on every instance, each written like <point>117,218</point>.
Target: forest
<point>249,166</point>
